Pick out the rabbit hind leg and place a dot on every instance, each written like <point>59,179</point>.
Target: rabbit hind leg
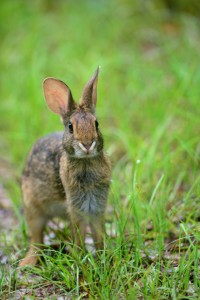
<point>36,225</point>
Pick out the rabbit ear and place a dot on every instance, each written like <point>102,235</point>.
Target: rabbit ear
<point>89,96</point>
<point>58,96</point>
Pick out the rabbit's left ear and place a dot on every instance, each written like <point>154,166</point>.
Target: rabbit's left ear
<point>89,96</point>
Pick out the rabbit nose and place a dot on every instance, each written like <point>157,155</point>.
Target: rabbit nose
<point>87,146</point>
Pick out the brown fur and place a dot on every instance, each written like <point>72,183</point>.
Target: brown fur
<point>67,174</point>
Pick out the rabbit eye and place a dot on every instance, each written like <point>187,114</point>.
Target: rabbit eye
<point>70,127</point>
<point>96,124</point>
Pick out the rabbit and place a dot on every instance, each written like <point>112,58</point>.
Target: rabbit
<point>67,174</point>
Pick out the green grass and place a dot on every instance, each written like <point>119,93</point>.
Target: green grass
<point>149,113</point>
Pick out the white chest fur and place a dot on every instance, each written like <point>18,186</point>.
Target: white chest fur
<point>89,204</point>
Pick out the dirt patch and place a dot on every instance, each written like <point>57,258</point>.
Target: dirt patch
<point>7,218</point>
<point>7,222</point>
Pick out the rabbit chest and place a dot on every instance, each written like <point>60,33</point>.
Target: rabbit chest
<point>86,183</point>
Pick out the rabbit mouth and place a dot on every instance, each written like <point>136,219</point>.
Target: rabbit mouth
<point>86,150</point>
<point>81,154</point>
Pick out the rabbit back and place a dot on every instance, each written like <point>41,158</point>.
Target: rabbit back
<point>42,187</point>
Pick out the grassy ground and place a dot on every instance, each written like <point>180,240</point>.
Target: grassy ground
<point>149,113</point>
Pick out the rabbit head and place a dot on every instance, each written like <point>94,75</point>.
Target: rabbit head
<point>82,137</point>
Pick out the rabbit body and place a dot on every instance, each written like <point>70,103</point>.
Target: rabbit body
<point>67,174</point>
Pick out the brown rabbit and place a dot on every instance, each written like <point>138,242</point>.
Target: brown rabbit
<point>67,173</point>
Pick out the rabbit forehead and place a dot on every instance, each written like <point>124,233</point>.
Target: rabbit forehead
<point>84,125</point>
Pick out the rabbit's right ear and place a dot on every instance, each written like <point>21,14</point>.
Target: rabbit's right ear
<point>58,96</point>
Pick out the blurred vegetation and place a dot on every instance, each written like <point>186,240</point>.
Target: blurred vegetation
<point>148,110</point>
<point>178,6</point>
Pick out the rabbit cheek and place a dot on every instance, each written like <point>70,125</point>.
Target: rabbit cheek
<point>68,145</point>
<point>100,143</point>
<point>70,150</point>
